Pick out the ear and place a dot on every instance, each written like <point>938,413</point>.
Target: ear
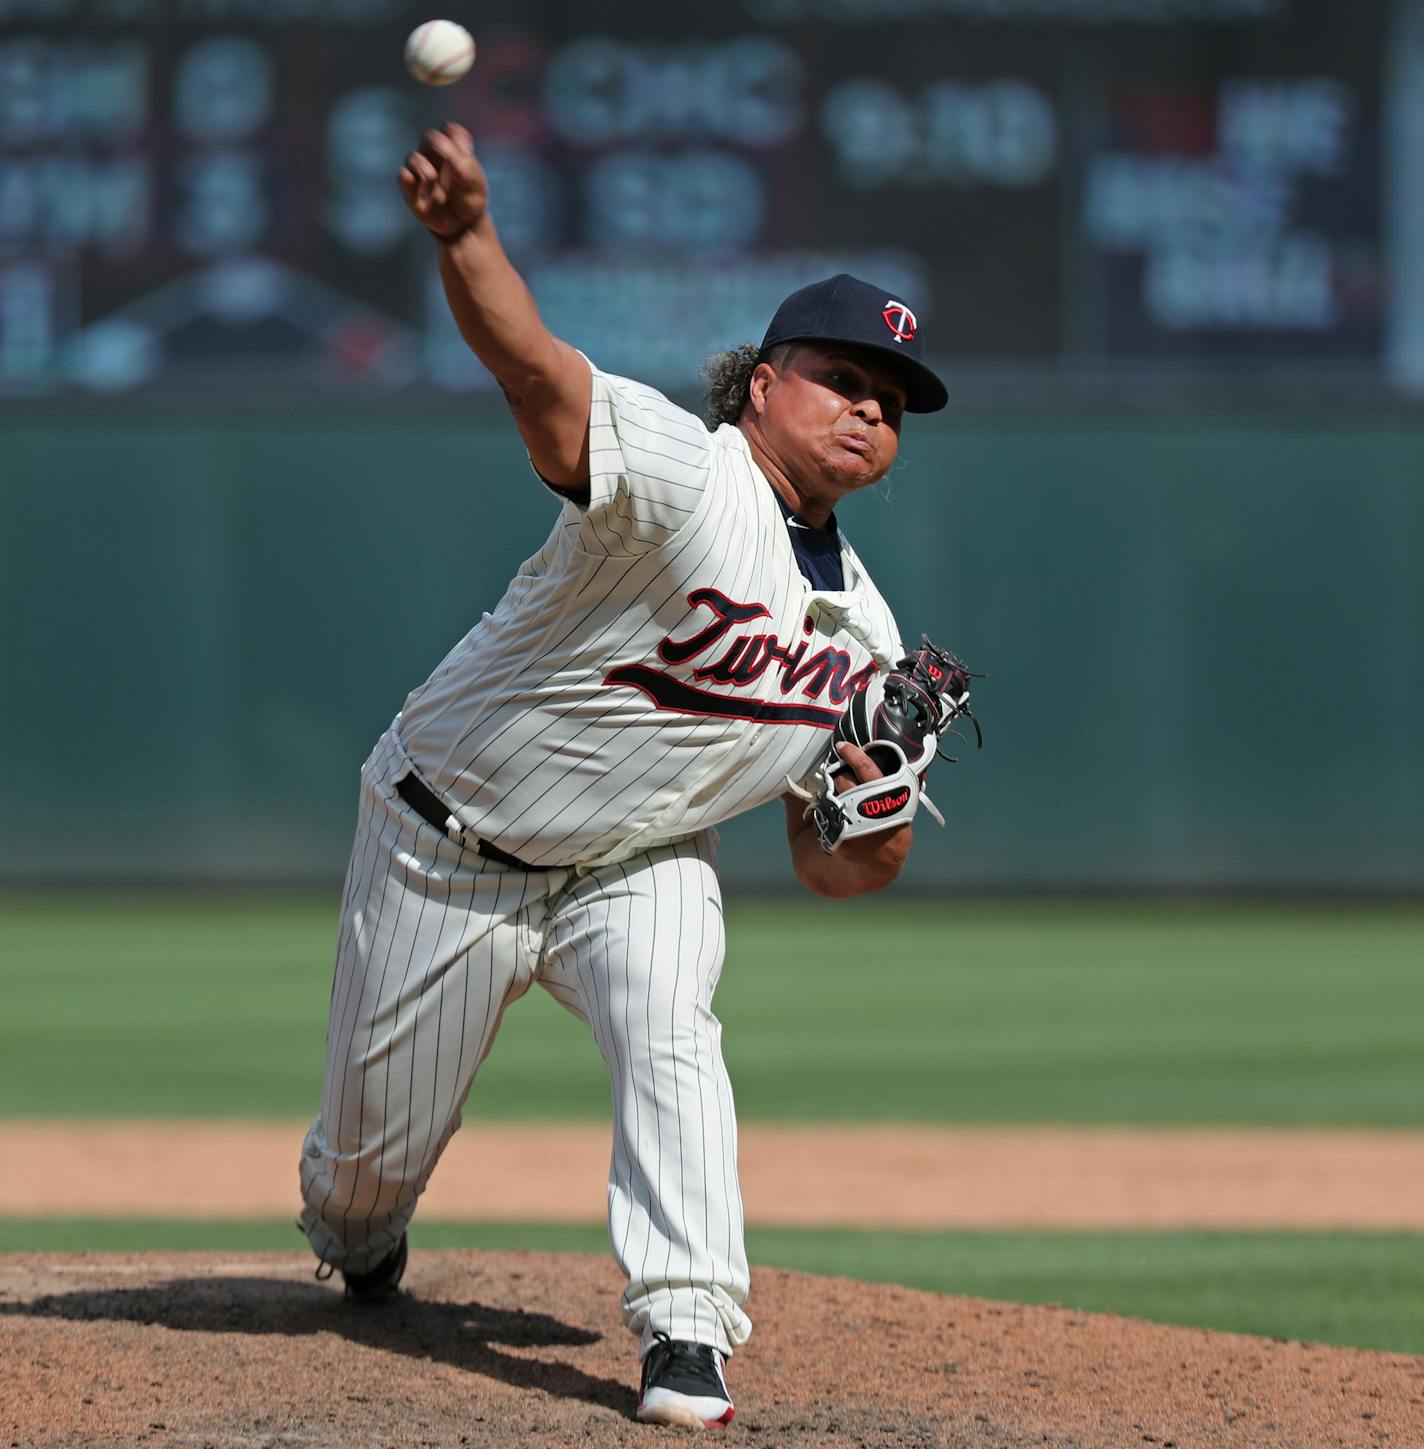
<point>762,378</point>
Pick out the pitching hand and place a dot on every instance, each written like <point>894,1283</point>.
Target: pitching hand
<point>444,184</point>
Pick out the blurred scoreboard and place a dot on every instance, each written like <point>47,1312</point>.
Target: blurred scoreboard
<point>198,196</point>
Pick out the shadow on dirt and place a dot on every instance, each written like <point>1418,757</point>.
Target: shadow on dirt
<point>463,1335</point>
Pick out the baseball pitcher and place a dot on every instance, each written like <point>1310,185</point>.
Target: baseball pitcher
<point>695,638</point>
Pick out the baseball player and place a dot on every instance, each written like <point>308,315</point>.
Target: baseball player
<point>683,647</point>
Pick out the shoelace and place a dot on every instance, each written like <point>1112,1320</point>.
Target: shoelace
<point>693,1359</point>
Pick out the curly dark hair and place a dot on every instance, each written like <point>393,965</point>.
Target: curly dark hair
<point>729,376</point>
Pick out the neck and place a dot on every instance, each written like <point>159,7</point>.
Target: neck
<point>783,481</point>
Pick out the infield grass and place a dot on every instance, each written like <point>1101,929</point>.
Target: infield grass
<point>876,1009</point>
<point>1360,1289</point>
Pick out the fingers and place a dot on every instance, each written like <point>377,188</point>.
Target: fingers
<point>442,182</point>
<point>862,766</point>
<point>451,134</point>
<point>420,184</point>
<point>453,164</point>
<point>447,148</point>
<point>421,166</point>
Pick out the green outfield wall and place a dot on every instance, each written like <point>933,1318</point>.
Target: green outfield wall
<point>1204,638</point>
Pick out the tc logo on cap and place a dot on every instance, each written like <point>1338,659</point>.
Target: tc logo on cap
<point>900,320</point>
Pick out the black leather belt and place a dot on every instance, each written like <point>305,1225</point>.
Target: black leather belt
<point>428,805</point>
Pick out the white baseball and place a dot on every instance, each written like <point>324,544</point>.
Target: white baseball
<point>439,52</point>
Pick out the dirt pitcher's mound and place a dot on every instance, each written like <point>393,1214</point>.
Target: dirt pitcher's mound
<point>512,1349</point>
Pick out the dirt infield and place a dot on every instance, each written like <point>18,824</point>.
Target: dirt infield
<point>859,1176</point>
<point>511,1349</point>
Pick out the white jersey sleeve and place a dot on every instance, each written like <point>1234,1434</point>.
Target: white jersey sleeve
<point>648,462</point>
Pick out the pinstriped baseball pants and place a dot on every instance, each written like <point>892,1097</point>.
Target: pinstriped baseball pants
<point>435,943</point>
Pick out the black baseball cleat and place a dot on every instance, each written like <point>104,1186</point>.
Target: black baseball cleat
<point>382,1282</point>
<point>683,1384</point>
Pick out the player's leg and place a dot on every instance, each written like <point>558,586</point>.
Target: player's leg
<point>433,946</point>
<point>636,950</point>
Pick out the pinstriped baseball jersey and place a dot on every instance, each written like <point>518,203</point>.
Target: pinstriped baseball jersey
<point>660,665</point>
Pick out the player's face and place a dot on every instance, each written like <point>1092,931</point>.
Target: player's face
<point>834,414</point>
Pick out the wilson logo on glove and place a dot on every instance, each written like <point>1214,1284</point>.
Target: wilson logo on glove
<point>884,804</point>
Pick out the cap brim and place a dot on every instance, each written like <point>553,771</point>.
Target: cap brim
<point>924,392</point>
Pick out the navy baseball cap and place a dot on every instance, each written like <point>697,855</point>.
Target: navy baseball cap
<point>845,309</point>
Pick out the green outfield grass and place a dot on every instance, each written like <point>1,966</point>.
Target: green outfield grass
<point>1361,1289</point>
<point>878,1009</point>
